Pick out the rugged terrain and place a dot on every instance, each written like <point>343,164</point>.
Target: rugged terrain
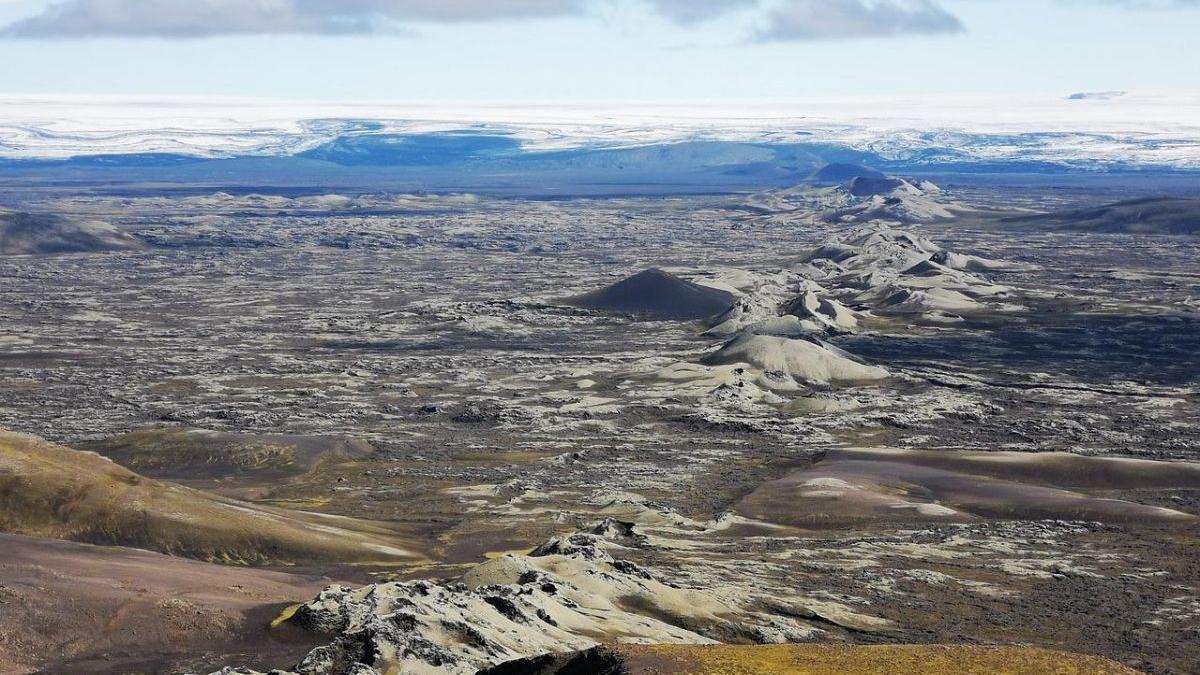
<point>870,411</point>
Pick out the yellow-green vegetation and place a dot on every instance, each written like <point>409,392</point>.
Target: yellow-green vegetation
<point>192,453</point>
<point>52,491</point>
<point>286,615</point>
<point>861,660</point>
<point>158,450</point>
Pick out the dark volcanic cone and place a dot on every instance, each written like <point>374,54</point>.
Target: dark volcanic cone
<point>841,173</point>
<point>655,293</point>
<point>866,186</point>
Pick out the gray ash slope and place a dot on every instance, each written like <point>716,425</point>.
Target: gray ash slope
<point>47,233</point>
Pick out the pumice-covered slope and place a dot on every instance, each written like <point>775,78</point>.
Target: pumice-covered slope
<point>75,608</point>
<point>825,311</point>
<point>891,271</point>
<point>785,363</point>
<point>53,491</point>
<point>849,488</point>
<point>859,268</point>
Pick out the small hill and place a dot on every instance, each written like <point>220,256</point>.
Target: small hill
<point>892,488</point>
<point>873,186</point>
<point>900,300</point>
<point>1152,215</point>
<point>42,233</point>
<point>841,173</point>
<point>48,490</point>
<point>657,294</point>
<point>784,363</point>
<point>825,311</point>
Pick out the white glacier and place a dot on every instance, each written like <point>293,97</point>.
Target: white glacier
<point>1134,129</point>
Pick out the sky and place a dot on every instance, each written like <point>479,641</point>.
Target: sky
<point>590,50</point>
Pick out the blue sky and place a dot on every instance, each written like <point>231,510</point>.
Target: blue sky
<point>569,50</point>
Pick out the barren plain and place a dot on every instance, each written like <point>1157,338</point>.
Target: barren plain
<point>445,432</point>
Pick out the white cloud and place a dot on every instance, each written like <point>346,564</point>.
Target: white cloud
<point>170,18</point>
<point>1143,4</point>
<point>692,11</point>
<point>783,20</point>
<point>201,18</point>
<point>799,20</point>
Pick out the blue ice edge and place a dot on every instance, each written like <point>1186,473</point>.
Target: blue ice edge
<point>499,163</point>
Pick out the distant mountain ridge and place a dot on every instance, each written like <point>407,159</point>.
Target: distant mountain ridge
<point>1150,215</point>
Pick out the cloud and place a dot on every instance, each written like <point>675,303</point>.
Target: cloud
<point>168,18</point>
<point>1142,4</point>
<point>693,11</point>
<point>445,10</point>
<point>204,18</point>
<point>805,20</point>
<point>782,20</point>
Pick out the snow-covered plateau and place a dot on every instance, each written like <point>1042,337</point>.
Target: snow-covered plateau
<point>1129,130</point>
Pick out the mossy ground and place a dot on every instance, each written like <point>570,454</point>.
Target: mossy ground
<point>859,660</point>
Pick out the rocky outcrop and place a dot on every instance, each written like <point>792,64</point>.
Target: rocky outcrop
<point>568,595</point>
